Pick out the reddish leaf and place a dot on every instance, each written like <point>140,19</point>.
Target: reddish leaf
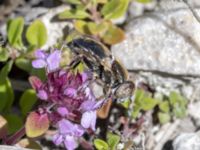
<point>36,124</point>
<point>113,35</point>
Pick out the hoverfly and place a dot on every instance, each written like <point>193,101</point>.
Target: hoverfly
<point>108,69</point>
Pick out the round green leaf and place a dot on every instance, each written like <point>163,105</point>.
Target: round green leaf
<point>15,28</point>
<point>6,96</point>
<point>36,33</point>
<point>73,14</point>
<point>100,144</point>
<point>164,106</point>
<point>114,9</point>
<point>3,54</point>
<point>164,117</point>
<point>27,100</point>
<point>23,64</point>
<point>148,103</point>
<point>5,70</point>
<point>75,2</point>
<point>144,1</point>
<point>82,27</point>
<point>112,140</point>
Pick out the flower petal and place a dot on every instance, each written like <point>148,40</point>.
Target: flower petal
<point>78,130</point>
<point>71,92</point>
<point>70,142</point>
<point>40,54</point>
<point>62,111</point>
<point>87,105</point>
<point>42,94</point>
<point>53,60</point>
<point>88,119</point>
<point>39,63</point>
<point>65,126</point>
<point>57,139</point>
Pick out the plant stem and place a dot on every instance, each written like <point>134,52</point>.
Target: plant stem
<point>15,137</point>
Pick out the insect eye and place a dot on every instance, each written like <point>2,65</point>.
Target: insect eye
<point>124,90</point>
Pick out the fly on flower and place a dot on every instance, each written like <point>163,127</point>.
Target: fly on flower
<point>99,60</point>
<point>67,100</point>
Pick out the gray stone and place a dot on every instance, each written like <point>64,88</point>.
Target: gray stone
<point>164,42</point>
<point>137,8</point>
<point>5,147</point>
<point>187,141</point>
<point>176,4</point>
<point>194,111</point>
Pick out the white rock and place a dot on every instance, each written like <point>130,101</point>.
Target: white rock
<point>164,42</point>
<point>194,111</point>
<point>187,141</point>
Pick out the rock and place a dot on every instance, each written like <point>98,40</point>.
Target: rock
<point>164,48</point>
<point>187,141</point>
<point>176,4</point>
<point>164,42</point>
<point>137,9</point>
<point>5,147</point>
<point>194,111</point>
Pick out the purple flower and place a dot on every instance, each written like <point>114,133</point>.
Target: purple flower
<point>88,119</point>
<point>50,61</point>
<point>71,104</point>
<point>68,134</point>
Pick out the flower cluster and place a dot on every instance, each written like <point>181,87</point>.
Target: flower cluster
<point>70,103</point>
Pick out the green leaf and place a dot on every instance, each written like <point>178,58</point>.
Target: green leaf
<point>15,28</point>
<point>164,117</point>
<point>177,98</point>
<point>36,34</point>
<point>27,100</point>
<point>36,124</point>
<point>100,144</point>
<point>144,1</point>
<point>39,73</point>
<point>113,35</point>
<point>97,29</point>
<point>136,111</point>
<point>126,103</point>
<point>102,1</point>
<point>73,14</point>
<point>148,103</point>
<point>112,140</point>
<point>6,96</point>
<point>5,70</point>
<point>164,106</point>
<point>14,123</point>
<point>179,111</point>
<point>23,64</point>
<point>114,9</point>
<point>75,2</point>
<point>139,95</point>
<point>82,27</point>
<point>3,54</point>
